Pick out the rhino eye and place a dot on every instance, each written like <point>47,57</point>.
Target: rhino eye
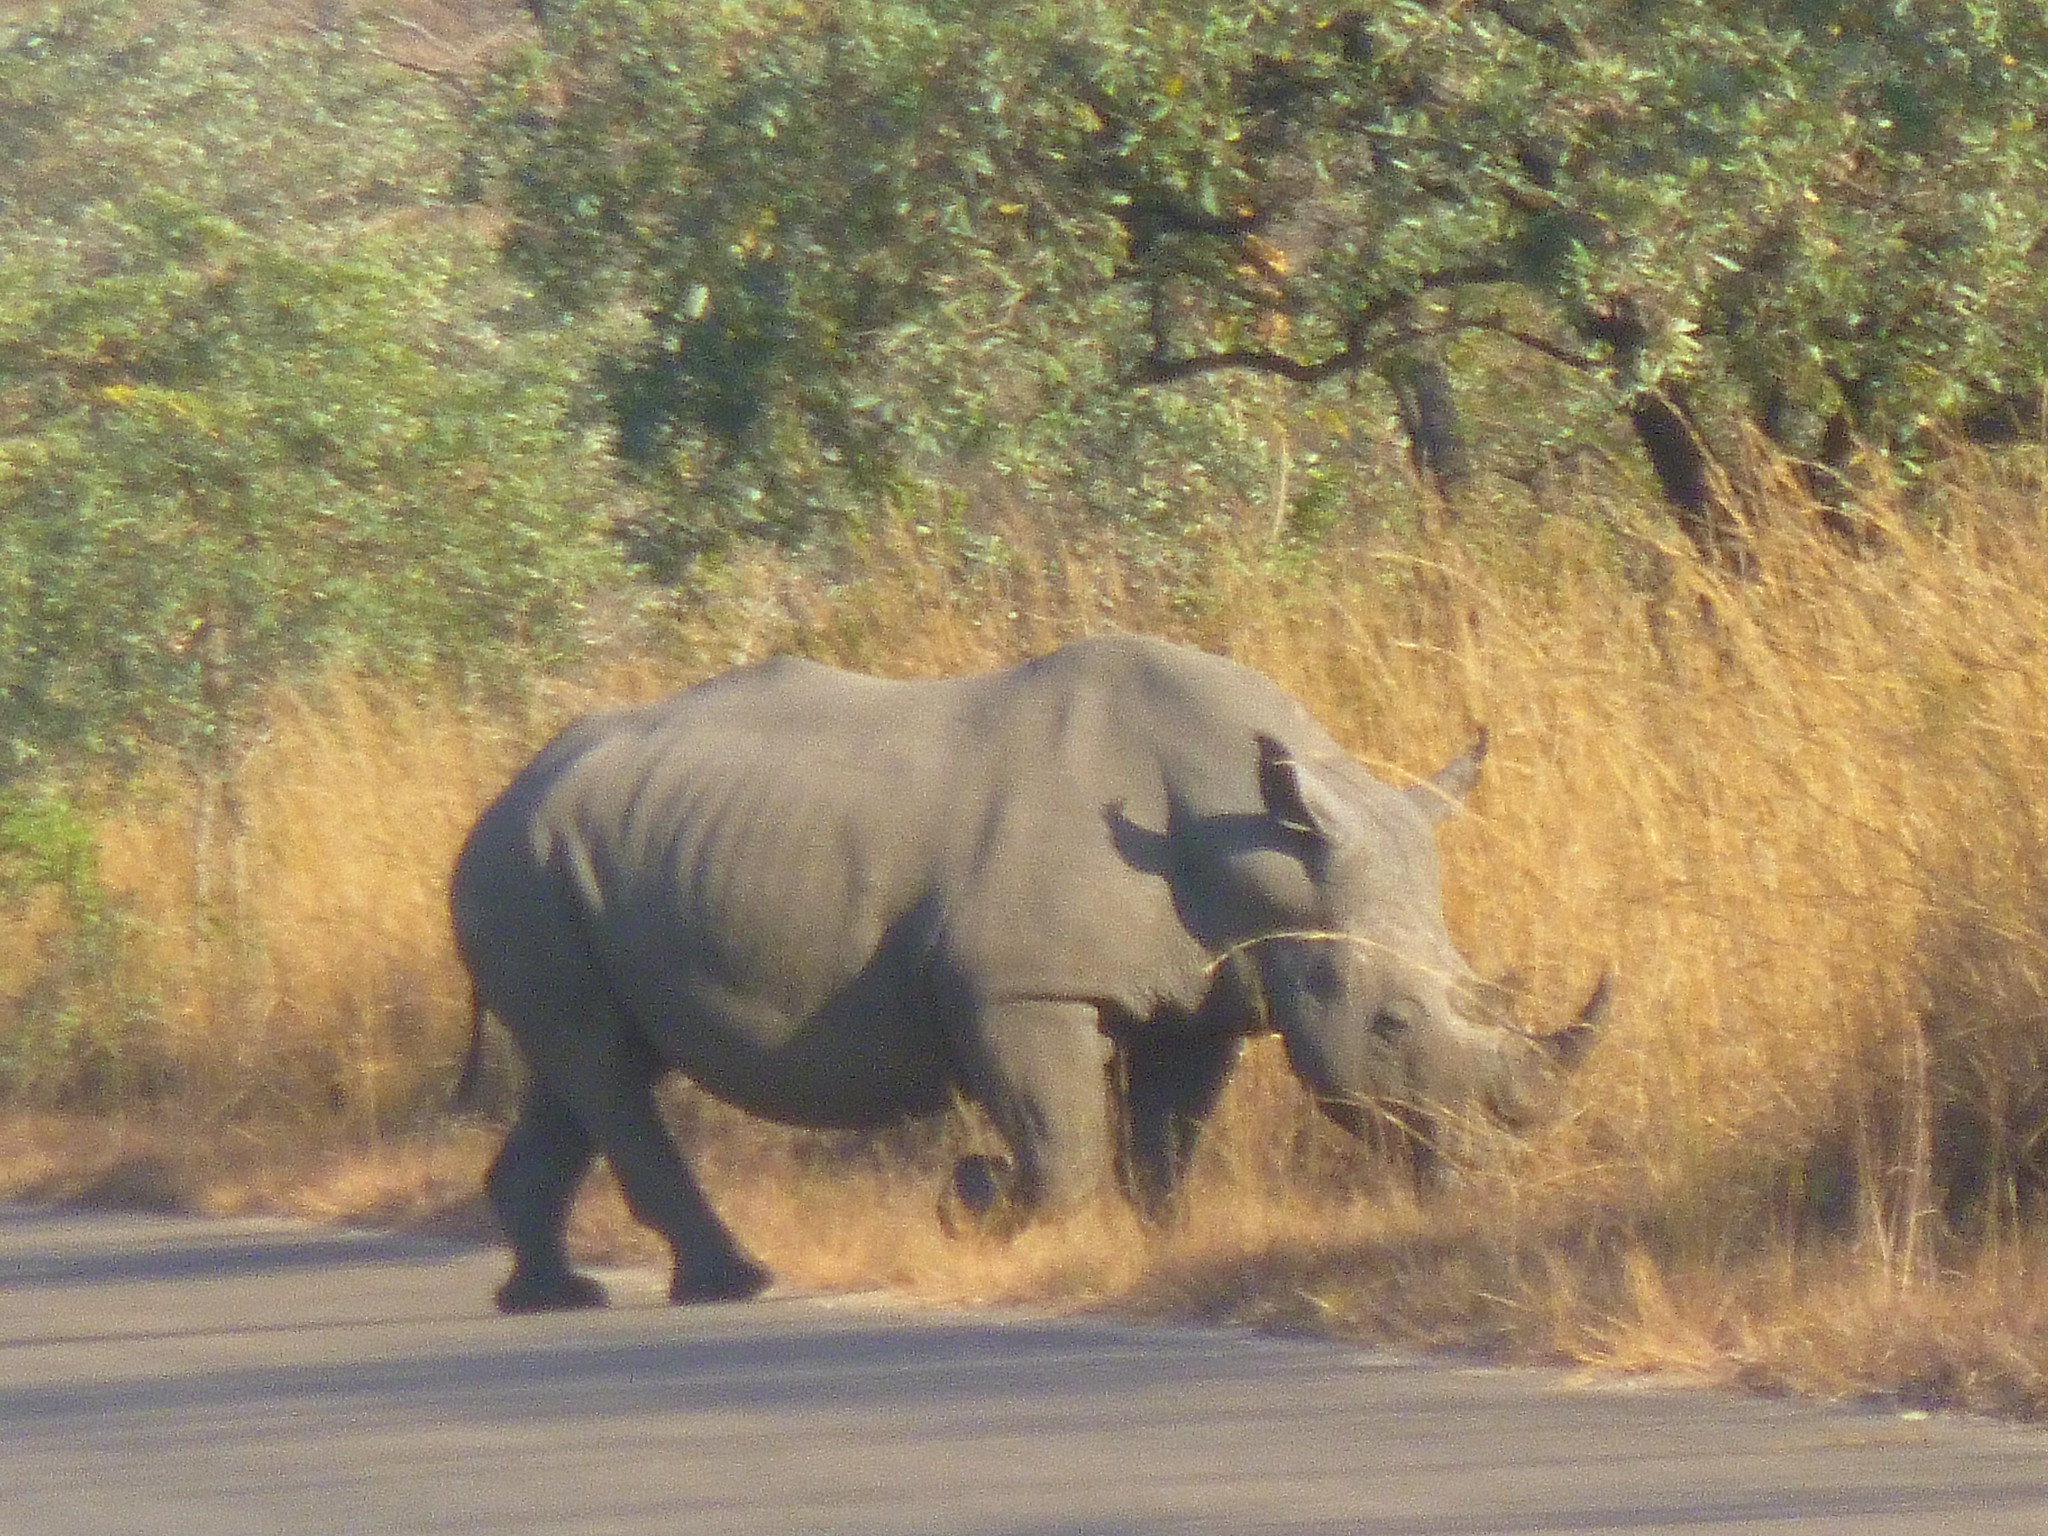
<point>1393,1021</point>
<point>1319,975</point>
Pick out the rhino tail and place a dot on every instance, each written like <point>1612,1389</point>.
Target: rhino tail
<point>470,1081</point>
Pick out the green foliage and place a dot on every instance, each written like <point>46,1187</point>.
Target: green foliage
<point>46,841</point>
<point>875,237</point>
<point>263,402</point>
<point>74,1034</point>
<point>870,244</point>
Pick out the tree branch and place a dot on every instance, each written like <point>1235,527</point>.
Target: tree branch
<point>1550,33</point>
<point>1356,352</point>
<point>1171,370</point>
<point>1542,345</point>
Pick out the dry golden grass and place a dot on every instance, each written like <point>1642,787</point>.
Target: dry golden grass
<point>1803,817</point>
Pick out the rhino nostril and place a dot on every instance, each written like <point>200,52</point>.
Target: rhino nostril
<point>1389,1024</point>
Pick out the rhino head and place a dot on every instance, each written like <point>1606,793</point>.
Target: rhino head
<point>1380,1015</point>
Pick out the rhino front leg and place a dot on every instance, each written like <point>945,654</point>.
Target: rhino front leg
<point>1039,1067</point>
<point>1172,1079</point>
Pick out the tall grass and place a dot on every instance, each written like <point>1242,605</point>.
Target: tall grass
<point>1801,815</point>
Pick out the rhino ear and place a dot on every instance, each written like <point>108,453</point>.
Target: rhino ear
<point>1444,791</point>
<point>1300,801</point>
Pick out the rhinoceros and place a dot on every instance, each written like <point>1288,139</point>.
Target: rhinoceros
<point>1068,892</point>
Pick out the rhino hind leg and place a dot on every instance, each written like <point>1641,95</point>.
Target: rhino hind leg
<point>614,1097</point>
<point>593,1094</point>
<point>531,1184</point>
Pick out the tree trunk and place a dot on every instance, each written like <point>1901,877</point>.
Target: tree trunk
<point>1429,416</point>
<point>1672,443</point>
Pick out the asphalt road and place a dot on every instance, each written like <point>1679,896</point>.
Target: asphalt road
<point>168,1376</point>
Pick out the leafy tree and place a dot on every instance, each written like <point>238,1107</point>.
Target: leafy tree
<point>876,233</point>
<point>260,402</point>
<point>868,242</point>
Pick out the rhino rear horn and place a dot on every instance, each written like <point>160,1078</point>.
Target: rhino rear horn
<point>1571,1044</point>
<point>1444,791</point>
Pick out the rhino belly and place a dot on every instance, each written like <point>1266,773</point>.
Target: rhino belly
<point>862,1058</point>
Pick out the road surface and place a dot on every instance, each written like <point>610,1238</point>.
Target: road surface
<point>219,1378</point>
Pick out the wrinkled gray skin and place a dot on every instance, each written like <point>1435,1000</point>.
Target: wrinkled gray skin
<point>837,901</point>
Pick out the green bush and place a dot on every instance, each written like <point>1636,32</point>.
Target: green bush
<point>76,1033</point>
<point>265,400</point>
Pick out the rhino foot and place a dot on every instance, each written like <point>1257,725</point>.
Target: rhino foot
<point>977,1202</point>
<point>732,1279</point>
<point>562,1292</point>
